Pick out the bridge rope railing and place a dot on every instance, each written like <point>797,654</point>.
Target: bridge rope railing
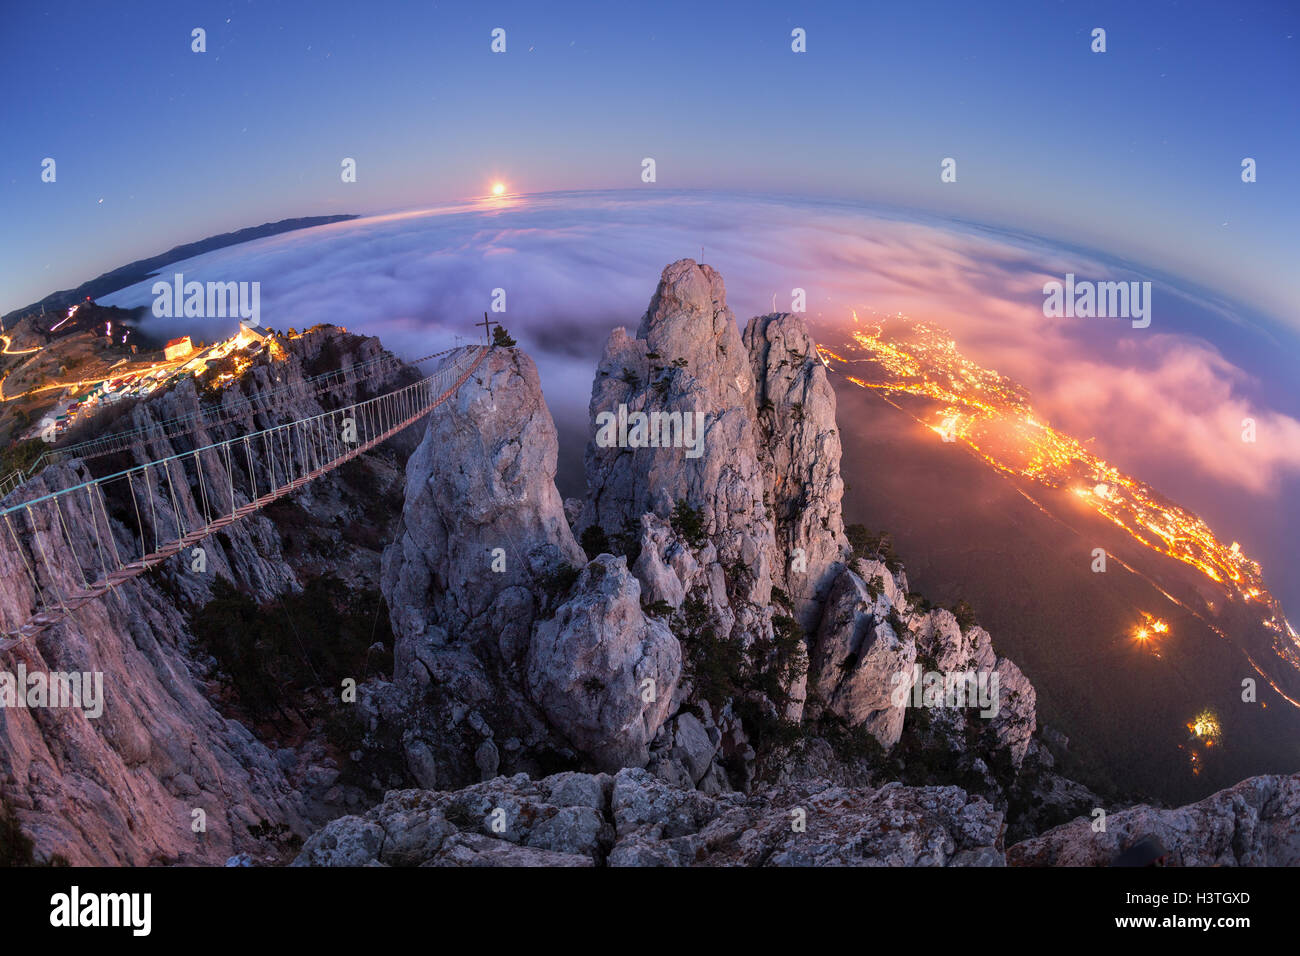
<point>73,545</point>
<point>212,415</point>
<point>11,481</point>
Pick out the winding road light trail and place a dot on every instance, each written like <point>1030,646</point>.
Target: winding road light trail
<point>6,339</point>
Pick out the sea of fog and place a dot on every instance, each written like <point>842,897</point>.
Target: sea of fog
<point>1165,402</point>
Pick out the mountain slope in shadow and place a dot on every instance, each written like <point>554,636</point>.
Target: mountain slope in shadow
<point>1021,555</point>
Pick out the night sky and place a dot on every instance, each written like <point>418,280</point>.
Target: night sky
<point>1136,150</point>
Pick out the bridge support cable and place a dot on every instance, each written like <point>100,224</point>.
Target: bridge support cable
<point>76,544</point>
<point>263,403</point>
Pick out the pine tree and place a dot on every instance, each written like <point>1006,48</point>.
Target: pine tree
<point>501,337</point>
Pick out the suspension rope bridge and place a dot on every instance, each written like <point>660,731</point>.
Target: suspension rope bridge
<point>9,482</point>
<point>211,416</point>
<point>73,545</point>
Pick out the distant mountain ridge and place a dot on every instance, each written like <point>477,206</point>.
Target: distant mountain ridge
<point>142,269</point>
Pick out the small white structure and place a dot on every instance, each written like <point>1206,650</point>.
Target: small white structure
<point>247,335</point>
<point>178,348</point>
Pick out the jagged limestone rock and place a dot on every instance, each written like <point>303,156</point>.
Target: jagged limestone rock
<point>800,455</point>
<point>940,639</point>
<point>481,516</point>
<point>687,358</point>
<point>484,544</point>
<point>122,789</point>
<point>860,665</point>
<point>565,820</point>
<point>1255,823</point>
<point>604,673</point>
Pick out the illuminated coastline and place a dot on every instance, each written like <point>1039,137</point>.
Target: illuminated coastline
<point>992,416</point>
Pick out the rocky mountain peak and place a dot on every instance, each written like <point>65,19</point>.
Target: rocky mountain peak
<point>123,788</point>
<point>688,319</point>
<point>513,649</point>
<point>686,364</point>
<point>712,655</point>
<point>482,521</point>
<point>800,457</point>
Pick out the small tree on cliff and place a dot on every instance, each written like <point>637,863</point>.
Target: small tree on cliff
<point>501,337</point>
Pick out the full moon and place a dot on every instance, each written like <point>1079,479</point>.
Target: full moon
<point>498,189</point>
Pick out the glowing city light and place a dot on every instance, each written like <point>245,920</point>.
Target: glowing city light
<point>992,417</point>
<point>1205,727</point>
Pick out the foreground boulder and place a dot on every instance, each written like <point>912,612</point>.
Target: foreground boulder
<point>633,819</point>
<point>602,672</point>
<point>124,788</point>
<point>1255,823</point>
<point>861,665</point>
<point>514,653</point>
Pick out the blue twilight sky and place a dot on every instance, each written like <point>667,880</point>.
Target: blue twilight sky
<point>1136,151</point>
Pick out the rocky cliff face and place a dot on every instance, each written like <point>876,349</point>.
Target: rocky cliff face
<point>717,630</point>
<point>1255,823</point>
<point>513,651</point>
<point>124,788</point>
<point>482,522</point>
<point>859,653</point>
<point>602,671</point>
<point>800,457</point>
<point>633,819</point>
<point>693,666</point>
<point>687,359</point>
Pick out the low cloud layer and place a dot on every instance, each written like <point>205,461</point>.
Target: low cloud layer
<point>1162,402</point>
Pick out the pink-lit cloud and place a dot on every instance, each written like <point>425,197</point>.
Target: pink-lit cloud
<point>1158,399</point>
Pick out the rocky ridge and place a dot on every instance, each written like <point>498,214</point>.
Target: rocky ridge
<point>726,679</point>
<point>708,622</point>
<point>693,666</point>
<point>633,819</point>
<point>123,788</point>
